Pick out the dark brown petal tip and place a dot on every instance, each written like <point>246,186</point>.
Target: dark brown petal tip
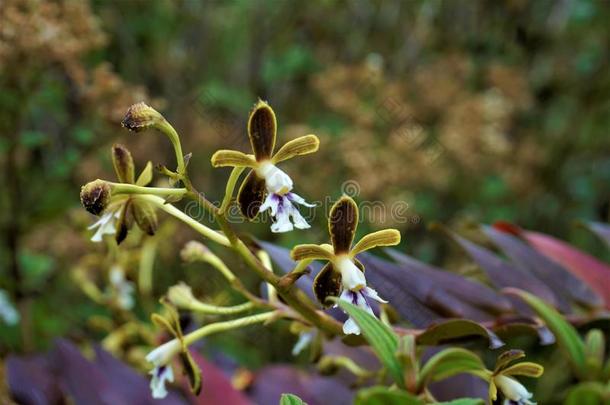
<point>327,284</point>
<point>262,128</point>
<point>342,224</point>
<point>251,195</point>
<point>124,223</point>
<point>123,163</point>
<point>95,196</point>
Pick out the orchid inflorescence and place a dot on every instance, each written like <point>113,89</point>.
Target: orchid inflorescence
<point>264,188</point>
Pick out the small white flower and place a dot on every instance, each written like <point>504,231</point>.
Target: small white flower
<point>513,390</point>
<point>280,200</point>
<point>161,357</point>
<point>105,226</point>
<point>157,383</point>
<point>361,299</point>
<point>8,313</point>
<point>122,287</point>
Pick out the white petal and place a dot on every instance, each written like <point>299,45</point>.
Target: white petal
<point>512,389</point>
<point>369,292</point>
<point>350,327</point>
<point>163,354</point>
<point>297,219</point>
<point>282,223</point>
<point>351,276</point>
<point>157,383</point>
<point>294,197</point>
<point>269,202</point>
<point>276,180</point>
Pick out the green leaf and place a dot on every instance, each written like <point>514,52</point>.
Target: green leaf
<point>587,393</point>
<point>595,349</point>
<point>464,401</point>
<point>457,329</point>
<point>567,337</point>
<point>381,337</point>
<point>290,399</point>
<point>450,362</point>
<point>385,396</point>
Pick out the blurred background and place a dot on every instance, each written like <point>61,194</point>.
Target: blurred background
<point>447,111</point>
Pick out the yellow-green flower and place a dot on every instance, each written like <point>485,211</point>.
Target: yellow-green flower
<point>503,378</point>
<point>120,212</point>
<point>266,187</point>
<point>343,275</point>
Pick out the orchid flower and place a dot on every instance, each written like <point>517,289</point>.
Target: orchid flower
<point>503,378</point>
<point>266,187</point>
<point>343,275</point>
<point>119,213</point>
<point>162,356</point>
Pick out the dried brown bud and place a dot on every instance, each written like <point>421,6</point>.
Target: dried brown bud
<point>95,196</point>
<point>140,117</point>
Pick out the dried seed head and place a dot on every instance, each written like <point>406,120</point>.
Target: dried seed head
<point>95,196</point>
<point>140,117</point>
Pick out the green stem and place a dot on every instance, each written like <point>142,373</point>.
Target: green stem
<point>171,133</point>
<point>226,202</point>
<point>218,310</point>
<point>123,188</point>
<point>199,227</point>
<point>227,325</point>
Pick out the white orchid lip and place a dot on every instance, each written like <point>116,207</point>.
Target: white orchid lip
<point>105,225</point>
<point>352,277</point>
<point>513,389</point>
<point>361,299</point>
<point>276,180</point>
<point>163,354</point>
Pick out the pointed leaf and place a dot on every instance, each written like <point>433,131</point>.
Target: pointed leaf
<point>567,337</point>
<point>382,339</point>
<point>448,363</point>
<point>289,399</point>
<point>553,274</point>
<point>601,230</point>
<point>501,273</point>
<point>595,273</point>
<point>385,396</point>
<point>455,329</point>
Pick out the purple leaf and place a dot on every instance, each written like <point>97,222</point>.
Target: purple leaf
<point>31,382</point>
<point>504,274</point>
<point>272,381</point>
<point>461,288</point>
<point>457,329</point>
<point>553,274</point>
<point>601,230</point>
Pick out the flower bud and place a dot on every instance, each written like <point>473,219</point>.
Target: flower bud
<point>95,196</point>
<point>181,296</point>
<point>140,117</point>
<point>123,163</point>
<point>193,251</point>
